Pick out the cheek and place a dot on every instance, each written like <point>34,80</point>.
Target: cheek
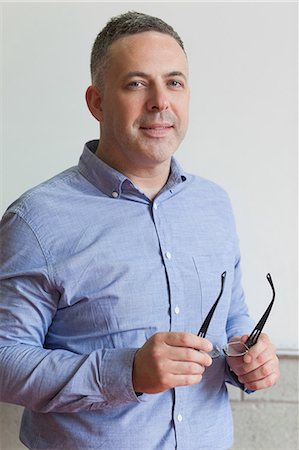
<point>125,111</point>
<point>116,111</point>
<point>183,116</point>
<point>186,116</point>
<point>182,108</point>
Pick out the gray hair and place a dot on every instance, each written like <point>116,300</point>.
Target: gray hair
<point>120,26</point>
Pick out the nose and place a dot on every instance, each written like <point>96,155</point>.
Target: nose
<point>158,99</point>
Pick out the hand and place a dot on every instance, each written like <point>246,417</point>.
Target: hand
<point>259,368</point>
<point>168,360</point>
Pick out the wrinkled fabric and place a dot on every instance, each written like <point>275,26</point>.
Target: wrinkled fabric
<point>91,269</point>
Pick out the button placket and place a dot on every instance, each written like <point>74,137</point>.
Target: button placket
<point>180,418</point>
<point>168,256</point>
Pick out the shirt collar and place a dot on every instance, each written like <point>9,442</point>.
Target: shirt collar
<point>110,181</point>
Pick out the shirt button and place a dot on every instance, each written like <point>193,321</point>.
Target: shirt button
<point>180,417</point>
<point>177,310</point>
<point>114,194</point>
<point>168,255</point>
<point>155,206</point>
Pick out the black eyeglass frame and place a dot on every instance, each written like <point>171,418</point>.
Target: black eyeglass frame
<point>204,328</point>
<point>256,332</point>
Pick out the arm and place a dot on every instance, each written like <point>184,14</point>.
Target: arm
<point>31,375</point>
<point>58,380</point>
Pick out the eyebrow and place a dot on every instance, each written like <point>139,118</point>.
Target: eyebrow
<point>175,73</point>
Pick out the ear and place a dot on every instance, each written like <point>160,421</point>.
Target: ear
<point>94,102</point>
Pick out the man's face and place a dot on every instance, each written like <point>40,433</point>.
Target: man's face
<point>145,101</point>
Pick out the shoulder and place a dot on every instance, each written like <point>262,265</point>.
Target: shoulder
<point>206,189</point>
<point>44,197</point>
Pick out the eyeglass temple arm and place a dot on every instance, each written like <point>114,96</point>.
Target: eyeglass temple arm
<point>204,328</point>
<point>260,325</point>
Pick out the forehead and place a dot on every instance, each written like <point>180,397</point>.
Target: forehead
<point>147,51</point>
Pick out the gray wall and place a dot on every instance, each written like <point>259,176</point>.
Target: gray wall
<point>243,135</point>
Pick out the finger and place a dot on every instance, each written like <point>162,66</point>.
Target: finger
<point>185,380</point>
<point>263,383</point>
<point>258,348</point>
<point>260,373</point>
<point>258,357</point>
<point>188,340</point>
<point>256,363</point>
<point>189,355</point>
<point>185,368</point>
<point>244,338</point>
<point>241,367</point>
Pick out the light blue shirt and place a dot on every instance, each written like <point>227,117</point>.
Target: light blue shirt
<point>90,269</point>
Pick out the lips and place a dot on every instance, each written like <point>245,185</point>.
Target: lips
<point>156,130</point>
<point>156,126</point>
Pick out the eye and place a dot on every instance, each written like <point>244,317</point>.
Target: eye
<point>176,83</point>
<point>136,84</point>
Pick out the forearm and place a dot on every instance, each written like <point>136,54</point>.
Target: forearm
<point>30,375</point>
<point>61,381</point>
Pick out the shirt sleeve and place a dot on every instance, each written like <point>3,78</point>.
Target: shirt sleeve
<point>35,377</point>
<point>239,322</point>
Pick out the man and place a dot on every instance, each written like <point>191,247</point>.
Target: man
<point>109,269</point>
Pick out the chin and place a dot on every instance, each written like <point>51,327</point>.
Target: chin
<point>160,152</point>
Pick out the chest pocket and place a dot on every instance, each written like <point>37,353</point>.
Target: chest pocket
<point>209,269</point>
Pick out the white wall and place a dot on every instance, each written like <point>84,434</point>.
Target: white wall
<point>243,123</point>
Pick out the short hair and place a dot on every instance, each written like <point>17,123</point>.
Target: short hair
<point>120,26</point>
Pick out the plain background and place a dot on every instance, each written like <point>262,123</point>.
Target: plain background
<point>243,118</point>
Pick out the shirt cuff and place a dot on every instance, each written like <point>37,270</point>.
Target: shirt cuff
<point>116,374</point>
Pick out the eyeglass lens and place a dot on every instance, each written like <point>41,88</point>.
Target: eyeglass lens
<point>235,349</point>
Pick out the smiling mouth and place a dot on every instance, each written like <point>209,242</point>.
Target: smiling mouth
<point>157,127</point>
<point>157,130</point>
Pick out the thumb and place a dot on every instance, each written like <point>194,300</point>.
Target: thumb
<point>246,358</point>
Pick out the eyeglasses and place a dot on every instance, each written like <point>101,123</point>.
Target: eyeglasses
<point>239,348</point>
<point>204,328</point>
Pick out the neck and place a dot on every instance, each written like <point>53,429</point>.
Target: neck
<point>150,185</point>
<point>150,179</point>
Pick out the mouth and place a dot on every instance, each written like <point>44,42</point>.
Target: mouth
<point>157,129</point>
